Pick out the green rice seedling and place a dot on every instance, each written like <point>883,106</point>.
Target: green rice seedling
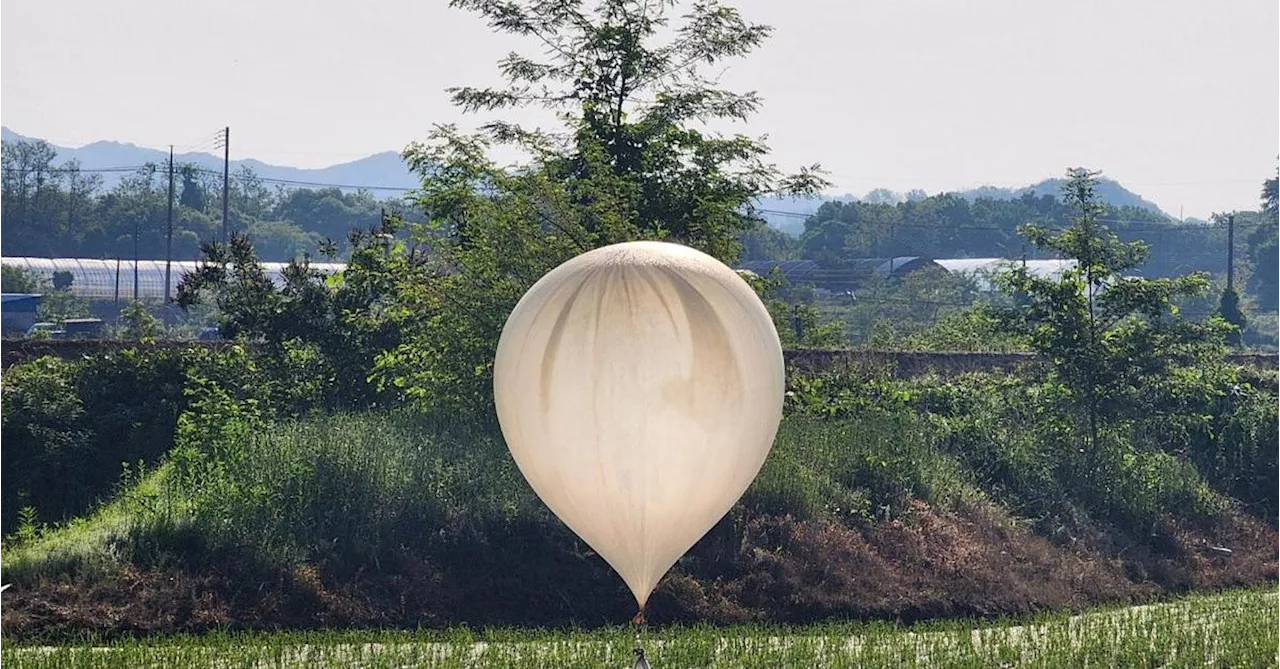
<point>1230,629</point>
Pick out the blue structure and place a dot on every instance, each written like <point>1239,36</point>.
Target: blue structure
<point>18,311</point>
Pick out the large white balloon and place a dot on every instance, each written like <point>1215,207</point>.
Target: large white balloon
<point>639,387</point>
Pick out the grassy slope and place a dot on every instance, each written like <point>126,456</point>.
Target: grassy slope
<point>393,521</point>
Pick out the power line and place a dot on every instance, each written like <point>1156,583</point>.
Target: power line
<point>321,184</point>
<point>1148,225</point>
<point>294,182</point>
<point>133,168</point>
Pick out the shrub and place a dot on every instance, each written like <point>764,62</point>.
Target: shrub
<point>68,426</point>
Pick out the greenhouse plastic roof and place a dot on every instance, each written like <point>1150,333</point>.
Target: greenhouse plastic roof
<point>982,269</point>
<point>113,279</point>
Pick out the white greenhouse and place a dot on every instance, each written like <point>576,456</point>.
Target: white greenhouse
<point>982,270</point>
<point>113,280</point>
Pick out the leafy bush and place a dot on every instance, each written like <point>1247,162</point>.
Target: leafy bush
<point>68,426</point>
<point>1013,437</point>
<point>137,323</point>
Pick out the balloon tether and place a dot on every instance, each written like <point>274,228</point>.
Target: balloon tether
<point>639,623</point>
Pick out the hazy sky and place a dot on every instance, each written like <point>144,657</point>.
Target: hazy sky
<point>1176,99</point>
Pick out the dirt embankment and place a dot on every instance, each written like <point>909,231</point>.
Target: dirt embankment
<point>930,563</point>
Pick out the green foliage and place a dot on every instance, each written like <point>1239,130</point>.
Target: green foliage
<point>973,330</point>
<point>950,226</point>
<point>630,163</point>
<point>43,438</point>
<point>191,195</point>
<point>346,488</point>
<point>62,211</point>
<point>1012,437</point>
<point>855,471</point>
<point>19,280</point>
<point>66,423</point>
<point>304,217</point>
<point>764,242</point>
<point>282,240</point>
<point>1271,198</point>
<point>803,326</point>
<point>1114,341</point>
<point>324,329</point>
<point>59,305</point>
<point>884,311</point>
<point>137,323</point>
<point>1229,310</point>
<point>1266,260</point>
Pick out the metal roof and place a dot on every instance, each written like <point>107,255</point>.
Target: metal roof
<point>20,303</point>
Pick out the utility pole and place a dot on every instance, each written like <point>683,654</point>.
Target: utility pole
<point>136,230</point>
<point>226,172</point>
<point>1231,252</point>
<point>168,239</point>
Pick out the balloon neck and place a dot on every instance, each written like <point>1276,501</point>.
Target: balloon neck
<point>639,618</point>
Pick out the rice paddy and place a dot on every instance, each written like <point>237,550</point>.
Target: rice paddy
<point>1229,629</point>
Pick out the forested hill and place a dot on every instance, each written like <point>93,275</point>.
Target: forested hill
<point>94,201</point>
<point>110,200</point>
<point>787,214</point>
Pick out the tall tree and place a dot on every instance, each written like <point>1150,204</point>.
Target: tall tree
<point>1264,248</point>
<point>192,195</point>
<point>1112,339</point>
<point>1271,198</point>
<point>81,188</point>
<point>630,88</point>
<point>251,197</point>
<point>24,177</point>
<point>631,160</point>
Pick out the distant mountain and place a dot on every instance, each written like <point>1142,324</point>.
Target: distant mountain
<point>1109,191</point>
<point>386,171</point>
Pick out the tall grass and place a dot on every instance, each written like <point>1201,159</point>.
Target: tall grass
<point>860,469</point>
<point>349,487</point>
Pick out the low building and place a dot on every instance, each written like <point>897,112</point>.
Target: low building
<point>18,312</point>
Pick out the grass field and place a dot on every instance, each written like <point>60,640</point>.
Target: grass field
<point>1231,629</point>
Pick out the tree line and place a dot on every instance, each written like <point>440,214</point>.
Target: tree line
<point>54,209</point>
<point>950,226</point>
